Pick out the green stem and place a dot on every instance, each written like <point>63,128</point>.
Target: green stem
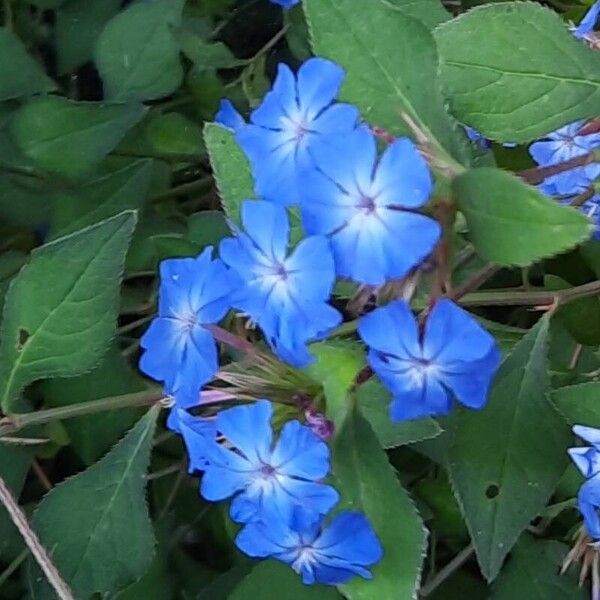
<point>200,185</point>
<point>14,565</point>
<point>458,561</point>
<point>13,423</point>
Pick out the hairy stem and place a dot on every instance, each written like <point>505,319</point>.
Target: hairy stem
<point>12,423</point>
<point>33,543</point>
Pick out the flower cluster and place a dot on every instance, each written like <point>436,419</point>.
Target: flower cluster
<point>587,460</point>
<point>365,220</point>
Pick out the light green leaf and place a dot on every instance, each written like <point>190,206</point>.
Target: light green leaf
<point>429,12</point>
<point>78,25</point>
<point>70,138</point>
<point>505,461</point>
<point>92,436</point>
<point>579,404</point>
<point>231,169</point>
<point>96,524</point>
<point>514,72</point>
<point>174,133</point>
<point>60,311</point>
<point>374,401</point>
<point>511,223</point>
<point>20,74</point>
<point>281,582</point>
<point>391,67</point>
<point>137,55</point>
<point>337,365</point>
<point>533,573</point>
<point>367,482</point>
<point>100,199</point>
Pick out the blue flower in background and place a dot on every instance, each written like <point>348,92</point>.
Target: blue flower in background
<point>588,23</point>
<point>228,116</point>
<point>562,145</point>
<point>286,3</point>
<point>367,206</point>
<point>178,350</point>
<point>197,433</point>
<point>267,480</point>
<point>285,295</point>
<point>331,554</point>
<point>293,117</point>
<point>589,501</point>
<point>453,356</point>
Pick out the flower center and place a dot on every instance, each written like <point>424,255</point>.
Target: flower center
<point>421,369</point>
<point>189,320</point>
<point>367,204</point>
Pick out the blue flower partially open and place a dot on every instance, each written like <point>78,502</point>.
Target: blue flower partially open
<point>453,356</point>
<point>330,554</point>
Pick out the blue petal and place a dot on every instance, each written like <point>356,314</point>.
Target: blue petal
<point>279,102</point>
<point>228,116</point>
<point>319,81</point>
<point>545,153</point>
<point>418,402</point>
<point>588,23</point>
<point>248,428</point>
<point>336,120</point>
<point>587,460</point>
<point>589,434</point>
<point>164,345</point>
<point>197,434</point>
<point>268,226</point>
<point>260,540</point>
<point>402,178</point>
<point>391,329</point>
<point>348,543</point>
<point>452,334</point>
<point>315,498</point>
<point>311,268</point>
<point>589,501</point>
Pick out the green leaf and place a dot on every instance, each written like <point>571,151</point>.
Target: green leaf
<point>281,582</point>
<point>206,55</point>
<point>60,311</point>
<point>374,401</point>
<point>207,228</point>
<point>70,138</point>
<point>137,55</point>
<point>96,524</point>
<point>78,25</point>
<point>429,12</point>
<point>14,466</point>
<point>579,404</point>
<point>533,573</point>
<point>92,436</point>
<point>20,74</point>
<point>337,365</point>
<point>511,223</point>
<point>505,462</point>
<point>174,133</point>
<point>100,199</point>
<point>231,169</point>
<point>367,482</point>
<point>391,67</point>
<point>514,72</point>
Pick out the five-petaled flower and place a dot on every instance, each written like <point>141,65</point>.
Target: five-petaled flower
<point>295,116</point>
<point>266,479</point>
<point>179,350</point>
<point>285,295</point>
<point>330,554</point>
<point>367,206</point>
<point>451,356</point>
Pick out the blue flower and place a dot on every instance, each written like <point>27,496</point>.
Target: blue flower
<point>286,3</point>
<point>285,295</point>
<point>589,501</point>
<point>179,351</point>
<point>588,23</point>
<point>562,145</point>
<point>453,356</point>
<point>587,459</point>
<point>198,434</point>
<point>478,138</point>
<point>294,116</point>
<point>367,206</point>
<point>228,116</point>
<point>332,555</point>
<point>266,480</point>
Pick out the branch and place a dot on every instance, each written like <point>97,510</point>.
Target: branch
<point>33,543</point>
<point>458,561</point>
<point>536,175</point>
